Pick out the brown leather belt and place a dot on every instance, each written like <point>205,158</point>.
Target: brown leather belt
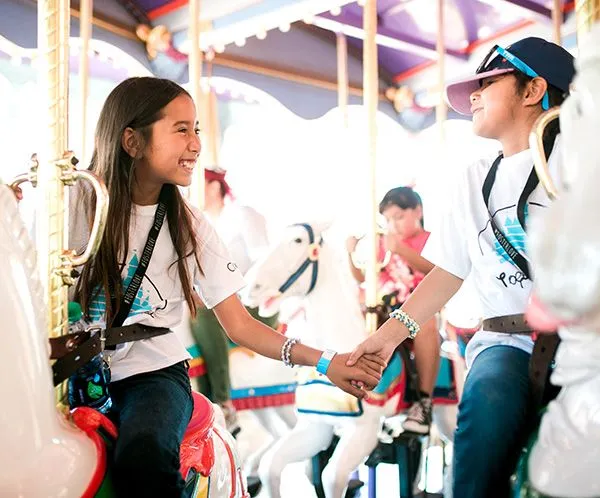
<point>72,351</point>
<point>508,324</point>
<point>542,356</point>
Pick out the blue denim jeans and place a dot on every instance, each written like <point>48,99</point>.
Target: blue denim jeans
<point>494,422</point>
<point>152,411</point>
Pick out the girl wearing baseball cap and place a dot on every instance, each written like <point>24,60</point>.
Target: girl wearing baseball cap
<point>482,235</point>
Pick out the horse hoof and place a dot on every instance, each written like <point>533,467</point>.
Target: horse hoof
<point>254,485</point>
<point>353,490</point>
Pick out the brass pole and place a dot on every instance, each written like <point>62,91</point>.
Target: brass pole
<point>370,101</point>
<point>195,72</point>
<point>53,44</point>
<point>85,33</point>
<point>557,20</point>
<point>342,77</point>
<point>441,111</point>
<point>587,13</point>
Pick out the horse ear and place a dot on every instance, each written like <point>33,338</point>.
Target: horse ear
<point>321,226</point>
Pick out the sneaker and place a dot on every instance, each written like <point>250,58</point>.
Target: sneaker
<point>418,419</point>
<point>231,418</point>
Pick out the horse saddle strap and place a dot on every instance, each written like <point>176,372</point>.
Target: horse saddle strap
<point>508,324</point>
<point>542,391</point>
<point>72,351</point>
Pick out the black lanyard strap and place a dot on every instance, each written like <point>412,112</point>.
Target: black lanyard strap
<point>136,281</point>
<point>532,182</point>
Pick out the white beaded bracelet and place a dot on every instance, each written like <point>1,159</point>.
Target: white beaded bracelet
<point>404,318</point>
<point>286,351</point>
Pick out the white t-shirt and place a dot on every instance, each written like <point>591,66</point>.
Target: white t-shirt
<point>160,299</point>
<point>465,245</point>
<point>244,233</point>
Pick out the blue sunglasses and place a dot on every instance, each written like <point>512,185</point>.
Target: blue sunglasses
<point>518,63</point>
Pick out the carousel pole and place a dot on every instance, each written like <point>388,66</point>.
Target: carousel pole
<point>370,101</point>
<point>342,77</point>
<point>441,111</point>
<point>195,75</point>
<point>53,45</point>
<point>587,13</point>
<point>85,33</point>
<point>557,20</point>
<point>211,118</point>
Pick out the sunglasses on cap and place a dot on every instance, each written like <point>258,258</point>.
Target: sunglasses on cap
<point>517,63</point>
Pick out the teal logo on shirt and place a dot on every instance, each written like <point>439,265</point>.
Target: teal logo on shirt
<point>140,305</point>
<point>513,231</point>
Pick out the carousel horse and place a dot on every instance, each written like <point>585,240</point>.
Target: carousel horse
<point>46,452</point>
<point>258,384</point>
<point>301,264</point>
<point>565,253</point>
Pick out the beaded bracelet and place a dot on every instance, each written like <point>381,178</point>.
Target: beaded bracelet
<point>404,318</point>
<point>286,351</point>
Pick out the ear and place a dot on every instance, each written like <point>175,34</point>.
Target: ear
<point>130,141</point>
<point>321,226</point>
<point>534,93</point>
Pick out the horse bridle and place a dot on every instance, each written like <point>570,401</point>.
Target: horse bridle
<point>312,259</point>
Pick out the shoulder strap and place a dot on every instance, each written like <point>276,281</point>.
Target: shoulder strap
<point>518,259</point>
<point>136,281</point>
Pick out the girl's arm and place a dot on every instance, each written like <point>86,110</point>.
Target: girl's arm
<point>244,330</point>
<point>428,298</point>
<point>414,259</point>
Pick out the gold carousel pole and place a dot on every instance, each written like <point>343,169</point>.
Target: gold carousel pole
<point>53,45</point>
<point>85,33</point>
<point>441,111</point>
<point>210,118</point>
<point>370,100</point>
<point>587,13</point>
<point>557,19</point>
<point>195,74</point>
<point>342,77</point>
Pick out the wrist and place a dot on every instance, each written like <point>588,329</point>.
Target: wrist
<point>325,361</point>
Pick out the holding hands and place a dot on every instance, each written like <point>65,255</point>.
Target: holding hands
<point>364,373</point>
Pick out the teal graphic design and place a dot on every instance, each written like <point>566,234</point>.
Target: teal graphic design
<point>514,233</point>
<point>142,300</point>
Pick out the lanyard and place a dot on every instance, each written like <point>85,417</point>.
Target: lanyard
<point>136,281</point>
<point>532,182</point>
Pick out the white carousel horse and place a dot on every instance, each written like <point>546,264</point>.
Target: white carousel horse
<point>45,452</point>
<point>259,384</point>
<point>565,251</point>
<point>301,265</point>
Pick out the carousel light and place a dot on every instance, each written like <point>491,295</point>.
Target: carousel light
<point>484,32</point>
<point>308,19</point>
<point>240,42</point>
<point>285,27</point>
<point>361,2</point>
<point>336,11</point>
<point>209,55</point>
<point>261,34</point>
<point>219,48</point>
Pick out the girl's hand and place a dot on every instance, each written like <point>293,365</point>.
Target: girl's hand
<point>367,373</point>
<point>378,345</point>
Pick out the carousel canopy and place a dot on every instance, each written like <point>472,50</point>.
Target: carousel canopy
<point>288,47</point>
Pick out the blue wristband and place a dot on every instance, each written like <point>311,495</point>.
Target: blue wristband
<point>325,361</point>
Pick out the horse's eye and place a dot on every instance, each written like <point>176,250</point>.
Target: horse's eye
<point>298,240</point>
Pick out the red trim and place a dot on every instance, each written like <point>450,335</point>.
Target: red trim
<point>231,465</point>
<point>569,7</point>
<point>197,371</point>
<point>412,71</point>
<point>166,9</point>
<point>89,421</point>
<point>258,402</point>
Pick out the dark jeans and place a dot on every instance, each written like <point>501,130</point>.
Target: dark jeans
<point>494,422</point>
<point>152,411</point>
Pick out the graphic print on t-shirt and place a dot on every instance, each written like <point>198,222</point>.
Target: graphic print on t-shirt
<point>142,302</point>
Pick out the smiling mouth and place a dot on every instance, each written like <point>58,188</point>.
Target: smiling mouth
<point>188,165</point>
